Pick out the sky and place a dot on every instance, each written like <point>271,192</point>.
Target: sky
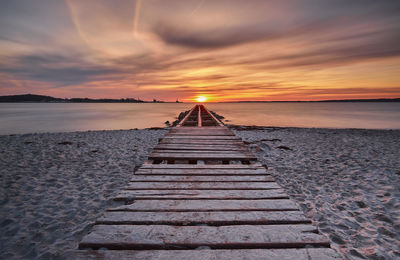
<point>228,50</point>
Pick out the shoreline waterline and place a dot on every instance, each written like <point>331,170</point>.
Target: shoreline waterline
<point>233,127</point>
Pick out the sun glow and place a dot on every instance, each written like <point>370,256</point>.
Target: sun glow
<point>201,99</point>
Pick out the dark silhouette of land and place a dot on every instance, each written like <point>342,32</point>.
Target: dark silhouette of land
<point>47,99</point>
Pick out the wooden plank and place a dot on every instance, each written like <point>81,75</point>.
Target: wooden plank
<point>246,152</point>
<point>188,148</point>
<point>202,194</point>
<point>199,141</point>
<point>202,137</point>
<point>197,178</point>
<point>242,146</point>
<point>202,152</point>
<point>202,131</point>
<point>252,166</point>
<point>200,156</point>
<point>208,218</point>
<point>201,147</point>
<point>202,186</point>
<point>203,169</point>
<point>172,205</point>
<point>228,143</point>
<point>195,128</point>
<point>191,237</point>
<point>212,172</point>
<point>199,118</point>
<point>191,122</point>
<point>204,128</point>
<point>209,205</point>
<point>224,254</point>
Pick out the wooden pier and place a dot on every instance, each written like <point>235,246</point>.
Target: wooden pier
<point>203,195</point>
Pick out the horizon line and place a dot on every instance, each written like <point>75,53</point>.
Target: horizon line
<point>397,99</point>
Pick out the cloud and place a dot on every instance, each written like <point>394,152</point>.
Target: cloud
<point>54,68</point>
<point>181,36</point>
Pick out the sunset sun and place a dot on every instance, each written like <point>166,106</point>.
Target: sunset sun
<point>201,99</point>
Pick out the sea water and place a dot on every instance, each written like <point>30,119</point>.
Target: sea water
<point>21,118</point>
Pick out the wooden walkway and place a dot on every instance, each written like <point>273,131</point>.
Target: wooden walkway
<point>203,195</point>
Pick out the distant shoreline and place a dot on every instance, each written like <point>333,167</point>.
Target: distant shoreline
<point>31,98</point>
<point>93,102</point>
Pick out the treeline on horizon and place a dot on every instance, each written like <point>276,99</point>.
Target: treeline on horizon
<point>48,99</point>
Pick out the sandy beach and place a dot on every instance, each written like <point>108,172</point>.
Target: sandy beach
<point>346,180</point>
<point>55,185</point>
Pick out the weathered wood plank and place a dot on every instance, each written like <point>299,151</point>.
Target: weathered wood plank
<point>226,170</point>
<point>190,237</point>
<point>272,254</point>
<point>195,128</point>
<point>203,139</point>
<point>201,147</point>
<point>162,148</point>
<point>206,128</point>
<point>199,118</point>
<point>191,132</point>
<point>256,165</point>
<point>208,218</point>
<point>208,137</point>
<point>225,144</point>
<point>199,141</point>
<point>202,186</point>
<point>202,194</point>
<point>198,178</point>
<point>199,133</point>
<point>206,145</point>
<point>198,151</point>
<point>200,156</point>
<point>200,130</point>
<point>211,143</point>
<point>209,205</point>
<point>203,171</point>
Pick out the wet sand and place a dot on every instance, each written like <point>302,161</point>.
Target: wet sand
<point>55,185</point>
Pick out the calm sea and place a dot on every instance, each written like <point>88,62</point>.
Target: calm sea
<point>20,118</point>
